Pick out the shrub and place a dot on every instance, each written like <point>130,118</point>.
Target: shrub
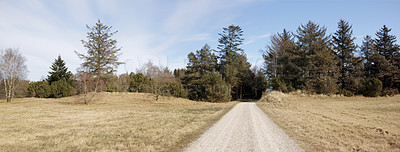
<point>389,92</point>
<point>140,83</point>
<point>372,87</point>
<point>216,89</point>
<point>278,84</point>
<point>40,89</point>
<point>60,88</point>
<point>346,93</point>
<point>112,89</point>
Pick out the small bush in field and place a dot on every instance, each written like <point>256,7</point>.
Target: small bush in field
<point>372,87</point>
<point>40,89</point>
<point>346,93</point>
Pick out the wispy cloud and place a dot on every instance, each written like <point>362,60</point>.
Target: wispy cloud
<point>148,30</point>
<point>256,38</point>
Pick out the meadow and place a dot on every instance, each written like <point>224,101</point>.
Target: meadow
<point>336,123</point>
<point>114,122</point>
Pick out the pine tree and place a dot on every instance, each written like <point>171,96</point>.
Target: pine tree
<point>281,61</point>
<point>233,63</point>
<point>59,71</point>
<point>349,65</point>
<point>368,51</point>
<point>201,62</point>
<point>318,58</point>
<point>101,59</point>
<point>229,49</point>
<point>60,79</point>
<point>386,47</point>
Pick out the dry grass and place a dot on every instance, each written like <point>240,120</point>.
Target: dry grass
<point>323,123</point>
<point>117,122</point>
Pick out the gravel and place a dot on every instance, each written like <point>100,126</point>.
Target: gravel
<point>244,128</point>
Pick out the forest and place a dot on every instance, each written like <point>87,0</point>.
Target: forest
<point>308,59</point>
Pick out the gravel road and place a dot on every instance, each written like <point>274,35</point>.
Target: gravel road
<point>244,128</point>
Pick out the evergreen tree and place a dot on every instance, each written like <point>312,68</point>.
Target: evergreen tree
<point>281,61</point>
<point>349,65</point>
<point>233,63</point>
<point>229,50</point>
<point>101,59</point>
<point>59,71</point>
<point>368,52</point>
<point>318,58</point>
<point>386,47</point>
<point>201,62</point>
<point>260,83</point>
<point>216,89</point>
<point>60,79</point>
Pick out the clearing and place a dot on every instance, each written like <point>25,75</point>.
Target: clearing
<point>324,123</point>
<point>116,122</point>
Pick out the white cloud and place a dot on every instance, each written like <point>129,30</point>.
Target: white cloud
<point>256,38</point>
<point>44,29</point>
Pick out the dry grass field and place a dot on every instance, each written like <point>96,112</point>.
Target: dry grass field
<point>323,123</point>
<point>116,122</point>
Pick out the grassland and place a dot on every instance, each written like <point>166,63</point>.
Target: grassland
<point>116,122</point>
<point>323,123</point>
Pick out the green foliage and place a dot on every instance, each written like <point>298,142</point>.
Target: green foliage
<point>389,92</point>
<point>102,52</point>
<point>60,88</point>
<point>60,80</point>
<point>278,84</point>
<point>372,87</point>
<point>59,71</point>
<point>201,62</point>
<point>349,66</point>
<point>216,90</point>
<point>112,89</point>
<point>233,64</point>
<point>169,89</point>
<point>140,83</point>
<point>345,92</point>
<point>39,89</point>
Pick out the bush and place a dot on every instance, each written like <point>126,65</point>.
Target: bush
<point>40,89</point>
<point>216,89</point>
<point>346,93</point>
<point>112,89</point>
<point>140,83</point>
<point>372,87</point>
<point>279,85</point>
<point>60,88</point>
<point>323,85</point>
<point>389,92</point>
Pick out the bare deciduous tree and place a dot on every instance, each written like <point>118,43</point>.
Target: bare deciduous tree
<point>13,70</point>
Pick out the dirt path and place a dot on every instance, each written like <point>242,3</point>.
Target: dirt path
<point>244,128</point>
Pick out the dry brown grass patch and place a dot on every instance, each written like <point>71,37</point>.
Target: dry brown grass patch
<point>116,122</point>
<point>336,123</point>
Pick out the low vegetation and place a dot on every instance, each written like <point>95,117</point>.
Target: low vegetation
<point>336,123</point>
<point>115,122</point>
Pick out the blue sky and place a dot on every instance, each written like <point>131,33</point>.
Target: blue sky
<point>165,31</point>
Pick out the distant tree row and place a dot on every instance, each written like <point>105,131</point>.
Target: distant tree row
<point>328,64</point>
<point>309,60</point>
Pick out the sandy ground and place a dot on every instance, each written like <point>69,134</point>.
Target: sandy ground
<point>244,128</point>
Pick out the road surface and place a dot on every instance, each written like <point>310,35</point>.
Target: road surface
<point>244,128</point>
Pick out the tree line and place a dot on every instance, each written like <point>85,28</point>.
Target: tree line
<point>313,61</point>
<point>308,60</point>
